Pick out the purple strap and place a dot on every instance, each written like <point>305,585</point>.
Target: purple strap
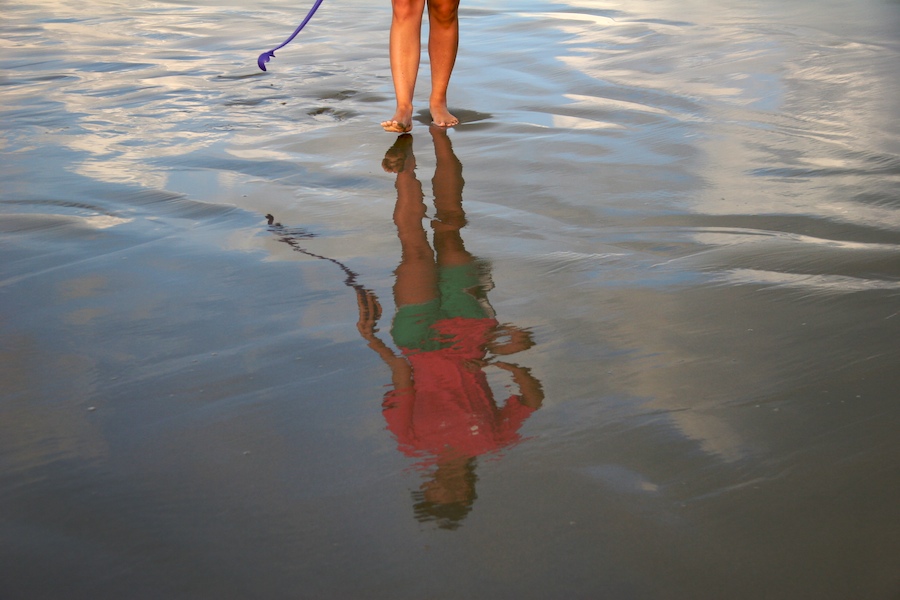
<point>266,56</point>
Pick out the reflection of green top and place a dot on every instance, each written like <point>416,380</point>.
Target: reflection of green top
<point>460,294</point>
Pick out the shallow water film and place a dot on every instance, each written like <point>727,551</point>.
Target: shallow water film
<point>630,331</point>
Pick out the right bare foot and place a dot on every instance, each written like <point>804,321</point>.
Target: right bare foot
<point>400,123</point>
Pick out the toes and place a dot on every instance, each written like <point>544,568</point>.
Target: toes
<point>395,127</point>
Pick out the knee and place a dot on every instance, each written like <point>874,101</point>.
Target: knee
<point>405,10</point>
<point>443,12</point>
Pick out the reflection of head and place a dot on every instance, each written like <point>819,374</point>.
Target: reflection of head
<point>447,497</point>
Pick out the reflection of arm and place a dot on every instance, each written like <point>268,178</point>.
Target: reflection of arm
<point>369,312</point>
<point>397,404</point>
<point>530,389</point>
<point>516,340</point>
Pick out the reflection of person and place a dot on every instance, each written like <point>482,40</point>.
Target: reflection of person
<point>441,407</point>
<point>405,51</point>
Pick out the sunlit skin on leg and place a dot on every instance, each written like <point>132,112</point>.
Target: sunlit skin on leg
<point>443,42</point>
<point>405,52</point>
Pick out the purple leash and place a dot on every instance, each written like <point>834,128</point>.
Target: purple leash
<point>266,56</point>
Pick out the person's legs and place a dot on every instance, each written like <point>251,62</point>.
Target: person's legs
<point>443,42</point>
<point>405,50</point>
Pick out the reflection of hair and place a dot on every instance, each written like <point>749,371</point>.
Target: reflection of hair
<point>458,488</point>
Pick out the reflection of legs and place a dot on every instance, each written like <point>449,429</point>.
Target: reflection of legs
<point>443,42</point>
<point>417,272</point>
<point>405,50</point>
<point>447,184</point>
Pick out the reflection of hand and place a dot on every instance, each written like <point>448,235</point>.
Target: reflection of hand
<point>531,393</point>
<point>517,340</point>
<point>369,312</point>
<point>473,365</point>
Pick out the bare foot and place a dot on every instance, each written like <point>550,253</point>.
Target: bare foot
<point>396,126</point>
<point>400,123</point>
<point>441,117</point>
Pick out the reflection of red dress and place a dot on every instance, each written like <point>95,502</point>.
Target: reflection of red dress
<point>449,407</point>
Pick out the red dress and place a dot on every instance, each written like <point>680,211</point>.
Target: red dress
<point>450,408</point>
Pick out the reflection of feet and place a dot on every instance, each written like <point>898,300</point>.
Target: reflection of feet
<point>440,137</point>
<point>441,117</point>
<point>401,122</point>
<point>395,159</point>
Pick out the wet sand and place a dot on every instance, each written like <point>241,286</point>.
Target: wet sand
<point>686,226</point>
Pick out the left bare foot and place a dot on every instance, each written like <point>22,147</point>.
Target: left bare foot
<point>441,117</point>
